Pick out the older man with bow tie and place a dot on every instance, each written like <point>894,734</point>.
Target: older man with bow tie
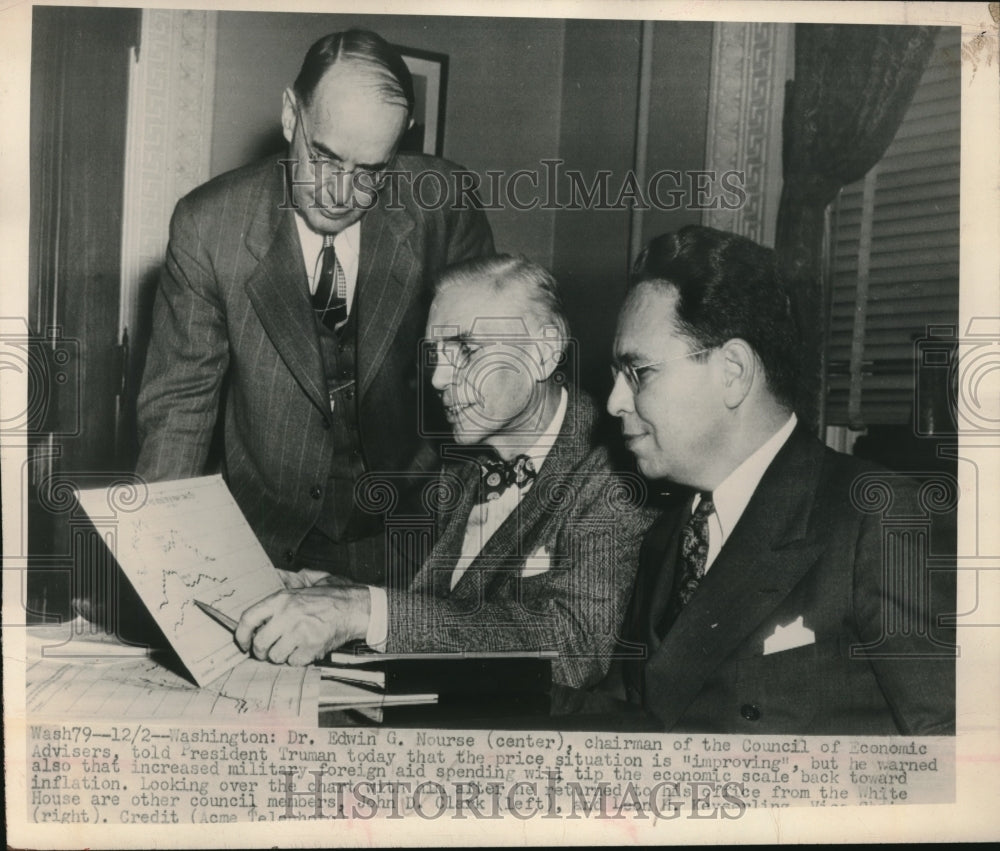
<point>538,545</point>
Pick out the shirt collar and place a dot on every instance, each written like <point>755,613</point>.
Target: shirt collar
<point>732,496</point>
<point>345,242</point>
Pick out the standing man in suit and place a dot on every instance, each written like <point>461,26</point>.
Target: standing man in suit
<point>766,599</point>
<point>537,544</point>
<point>291,305</point>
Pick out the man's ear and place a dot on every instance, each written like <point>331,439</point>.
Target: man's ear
<point>552,348</point>
<point>288,117</point>
<point>739,371</point>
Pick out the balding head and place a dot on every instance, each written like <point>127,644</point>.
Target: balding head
<point>372,56</point>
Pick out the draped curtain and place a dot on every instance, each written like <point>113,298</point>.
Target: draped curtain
<point>852,86</point>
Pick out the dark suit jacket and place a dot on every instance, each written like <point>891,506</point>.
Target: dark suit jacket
<point>233,303</point>
<point>579,519</point>
<point>813,542</point>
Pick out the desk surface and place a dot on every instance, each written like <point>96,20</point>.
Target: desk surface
<point>77,672</point>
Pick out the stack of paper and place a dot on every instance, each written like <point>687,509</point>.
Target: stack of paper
<point>87,677</point>
<point>478,684</point>
<point>337,694</point>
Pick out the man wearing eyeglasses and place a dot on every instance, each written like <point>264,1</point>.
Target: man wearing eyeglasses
<point>292,304</point>
<point>767,599</point>
<point>536,538</point>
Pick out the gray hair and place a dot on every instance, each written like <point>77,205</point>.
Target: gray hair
<point>503,273</point>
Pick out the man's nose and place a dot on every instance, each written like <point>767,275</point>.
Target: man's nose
<point>621,400</point>
<point>443,374</point>
<point>339,187</point>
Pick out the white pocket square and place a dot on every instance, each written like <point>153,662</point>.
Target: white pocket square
<point>537,563</point>
<point>796,634</point>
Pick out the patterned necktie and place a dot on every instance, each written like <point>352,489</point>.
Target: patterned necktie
<point>498,475</point>
<point>691,563</point>
<point>330,299</point>
<point>694,548</point>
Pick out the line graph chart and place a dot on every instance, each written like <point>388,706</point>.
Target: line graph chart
<point>188,540</point>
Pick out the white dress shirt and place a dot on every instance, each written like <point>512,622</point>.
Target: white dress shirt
<point>732,496</point>
<point>347,244</point>
<point>483,522</point>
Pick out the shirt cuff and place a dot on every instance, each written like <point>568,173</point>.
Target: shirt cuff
<point>378,620</point>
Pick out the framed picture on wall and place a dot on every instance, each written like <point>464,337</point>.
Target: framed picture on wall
<point>430,86</point>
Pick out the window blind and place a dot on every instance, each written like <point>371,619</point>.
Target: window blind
<point>894,250</point>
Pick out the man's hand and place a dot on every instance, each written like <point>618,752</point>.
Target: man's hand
<point>307,577</point>
<point>300,625</point>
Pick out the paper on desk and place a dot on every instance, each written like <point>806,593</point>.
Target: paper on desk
<point>79,640</point>
<point>334,694</point>
<point>187,539</point>
<point>143,689</point>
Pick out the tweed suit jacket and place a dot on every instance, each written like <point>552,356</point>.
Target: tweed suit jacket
<point>555,576</point>
<point>234,330</point>
<point>879,661</point>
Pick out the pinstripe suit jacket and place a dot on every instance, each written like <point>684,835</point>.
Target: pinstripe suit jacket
<point>555,576</point>
<point>234,330</point>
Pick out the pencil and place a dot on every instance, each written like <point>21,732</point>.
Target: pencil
<point>219,617</point>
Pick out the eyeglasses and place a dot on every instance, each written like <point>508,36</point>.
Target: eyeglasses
<point>633,373</point>
<point>363,178</point>
<point>454,353</point>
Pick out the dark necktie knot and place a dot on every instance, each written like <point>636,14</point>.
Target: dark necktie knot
<point>705,507</point>
<point>498,475</point>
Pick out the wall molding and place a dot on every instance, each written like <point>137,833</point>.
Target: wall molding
<point>750,63</point>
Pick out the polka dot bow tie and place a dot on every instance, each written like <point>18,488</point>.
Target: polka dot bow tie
<point>498,475</point>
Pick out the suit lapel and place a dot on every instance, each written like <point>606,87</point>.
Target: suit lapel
<point>764,558</point>
<point>434,576</point>
<point>277,289</point>
<point>388,281</point>
<point>659,561</point>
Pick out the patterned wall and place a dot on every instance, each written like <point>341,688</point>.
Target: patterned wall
<point>750,63</point>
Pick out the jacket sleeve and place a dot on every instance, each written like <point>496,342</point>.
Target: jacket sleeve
<point>469,233</point>
<point>575,607</point>
<point>187,359</point>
